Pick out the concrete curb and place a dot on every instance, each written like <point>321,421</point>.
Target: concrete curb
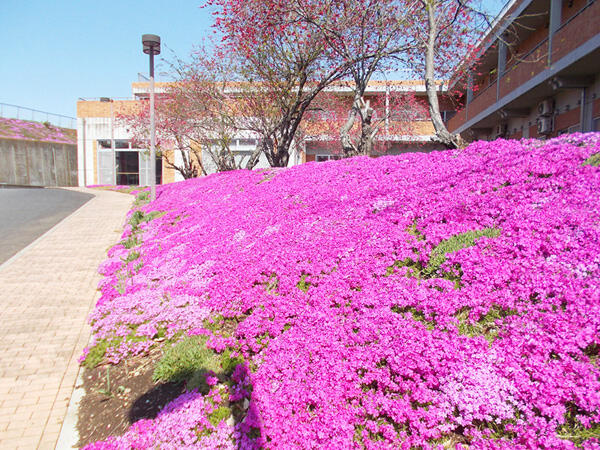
<point>69,436</point>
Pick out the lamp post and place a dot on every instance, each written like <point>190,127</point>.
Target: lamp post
<point>151,44</point>
<point>112,138</point>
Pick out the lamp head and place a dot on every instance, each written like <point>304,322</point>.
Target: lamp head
<point>151,44</point>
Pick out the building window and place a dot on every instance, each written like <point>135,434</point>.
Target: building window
<point>321,158</point>
<point>119,143</point>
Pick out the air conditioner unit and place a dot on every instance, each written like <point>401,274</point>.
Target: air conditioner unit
<point>546,108</point>
<point>545,125</point>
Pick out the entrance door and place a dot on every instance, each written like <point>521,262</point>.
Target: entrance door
<point>128,168</point>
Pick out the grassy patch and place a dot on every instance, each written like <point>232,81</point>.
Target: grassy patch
<point>181,361</point>
<point>414,268</point>
<point>97,352</point>
<point>229,363</point>
<point>573,430</point>
<point>139,217</point>
<point>593,160</point>
<point>453,244</point>
<point>410,312</point>
<point>303,285</point>
<point>486,325</point>
<point>130,242</point>
<point>272,285</point>
<point>219,325</point>
<point>218,415</point>
<point>132,256</point>
<point>414,231</point>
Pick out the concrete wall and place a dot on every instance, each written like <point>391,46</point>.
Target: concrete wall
<point>33,163</point>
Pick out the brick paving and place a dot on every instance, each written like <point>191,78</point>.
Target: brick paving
<point>46,294</point>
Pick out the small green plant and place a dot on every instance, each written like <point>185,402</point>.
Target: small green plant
<point>218,415</point>
<point>136,218</point>
<point>142,198</point>
<point>303,285</point>
<point>414,231</point>
<point>97,352</point>
<point>453,244</point>
<point>593,160</point>
<point>181,361</point>
<point>130,242</point>
<point>106,390</point>
<point>132,256</point>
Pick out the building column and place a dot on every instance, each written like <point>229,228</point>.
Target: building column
<point>469,87</point>
<point>501,64</point>
<point>555,21</point>
<point>586,114</point>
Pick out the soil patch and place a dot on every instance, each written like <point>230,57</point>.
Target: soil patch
<point>118,395</point>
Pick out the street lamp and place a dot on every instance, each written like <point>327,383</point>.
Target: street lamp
<point>112,138</point>
<point>151,44</point>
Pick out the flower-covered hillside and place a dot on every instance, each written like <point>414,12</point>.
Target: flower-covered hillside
<point>417,300</point>
<point>36,131</point>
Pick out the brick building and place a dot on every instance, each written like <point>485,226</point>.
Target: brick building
<point>538,73</point>
<point>100,134</point>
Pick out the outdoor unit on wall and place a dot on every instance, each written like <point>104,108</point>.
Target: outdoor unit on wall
<point>545,125</point>
<point>546,108</point>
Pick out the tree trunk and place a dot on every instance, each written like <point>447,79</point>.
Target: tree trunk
<point>254,157</point>
<point>348,146</point>
<point>441,132</point>
<point>366,132</point>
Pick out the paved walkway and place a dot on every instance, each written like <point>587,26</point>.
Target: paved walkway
<point>46,294</point>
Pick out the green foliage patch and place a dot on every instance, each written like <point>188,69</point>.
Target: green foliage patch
<point>181,361</point>
<point>486,326</point>
<point>453,244</point>
<point>303,285</point>
<point>593,160</point>
<point>97,352</point>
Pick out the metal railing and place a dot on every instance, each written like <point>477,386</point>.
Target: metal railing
<point>23,113</point>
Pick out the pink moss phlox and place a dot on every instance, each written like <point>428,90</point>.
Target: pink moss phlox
<point>348,340</point>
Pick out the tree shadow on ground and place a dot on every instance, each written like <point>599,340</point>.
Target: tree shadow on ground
<point>149,404</point>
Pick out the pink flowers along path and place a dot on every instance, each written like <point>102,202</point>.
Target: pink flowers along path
<point>416,300</point>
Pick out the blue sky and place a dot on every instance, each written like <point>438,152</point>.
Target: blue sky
<point>55,51</point>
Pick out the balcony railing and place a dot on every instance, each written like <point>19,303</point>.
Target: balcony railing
<point>573,33</point>
<point>579,28</point>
